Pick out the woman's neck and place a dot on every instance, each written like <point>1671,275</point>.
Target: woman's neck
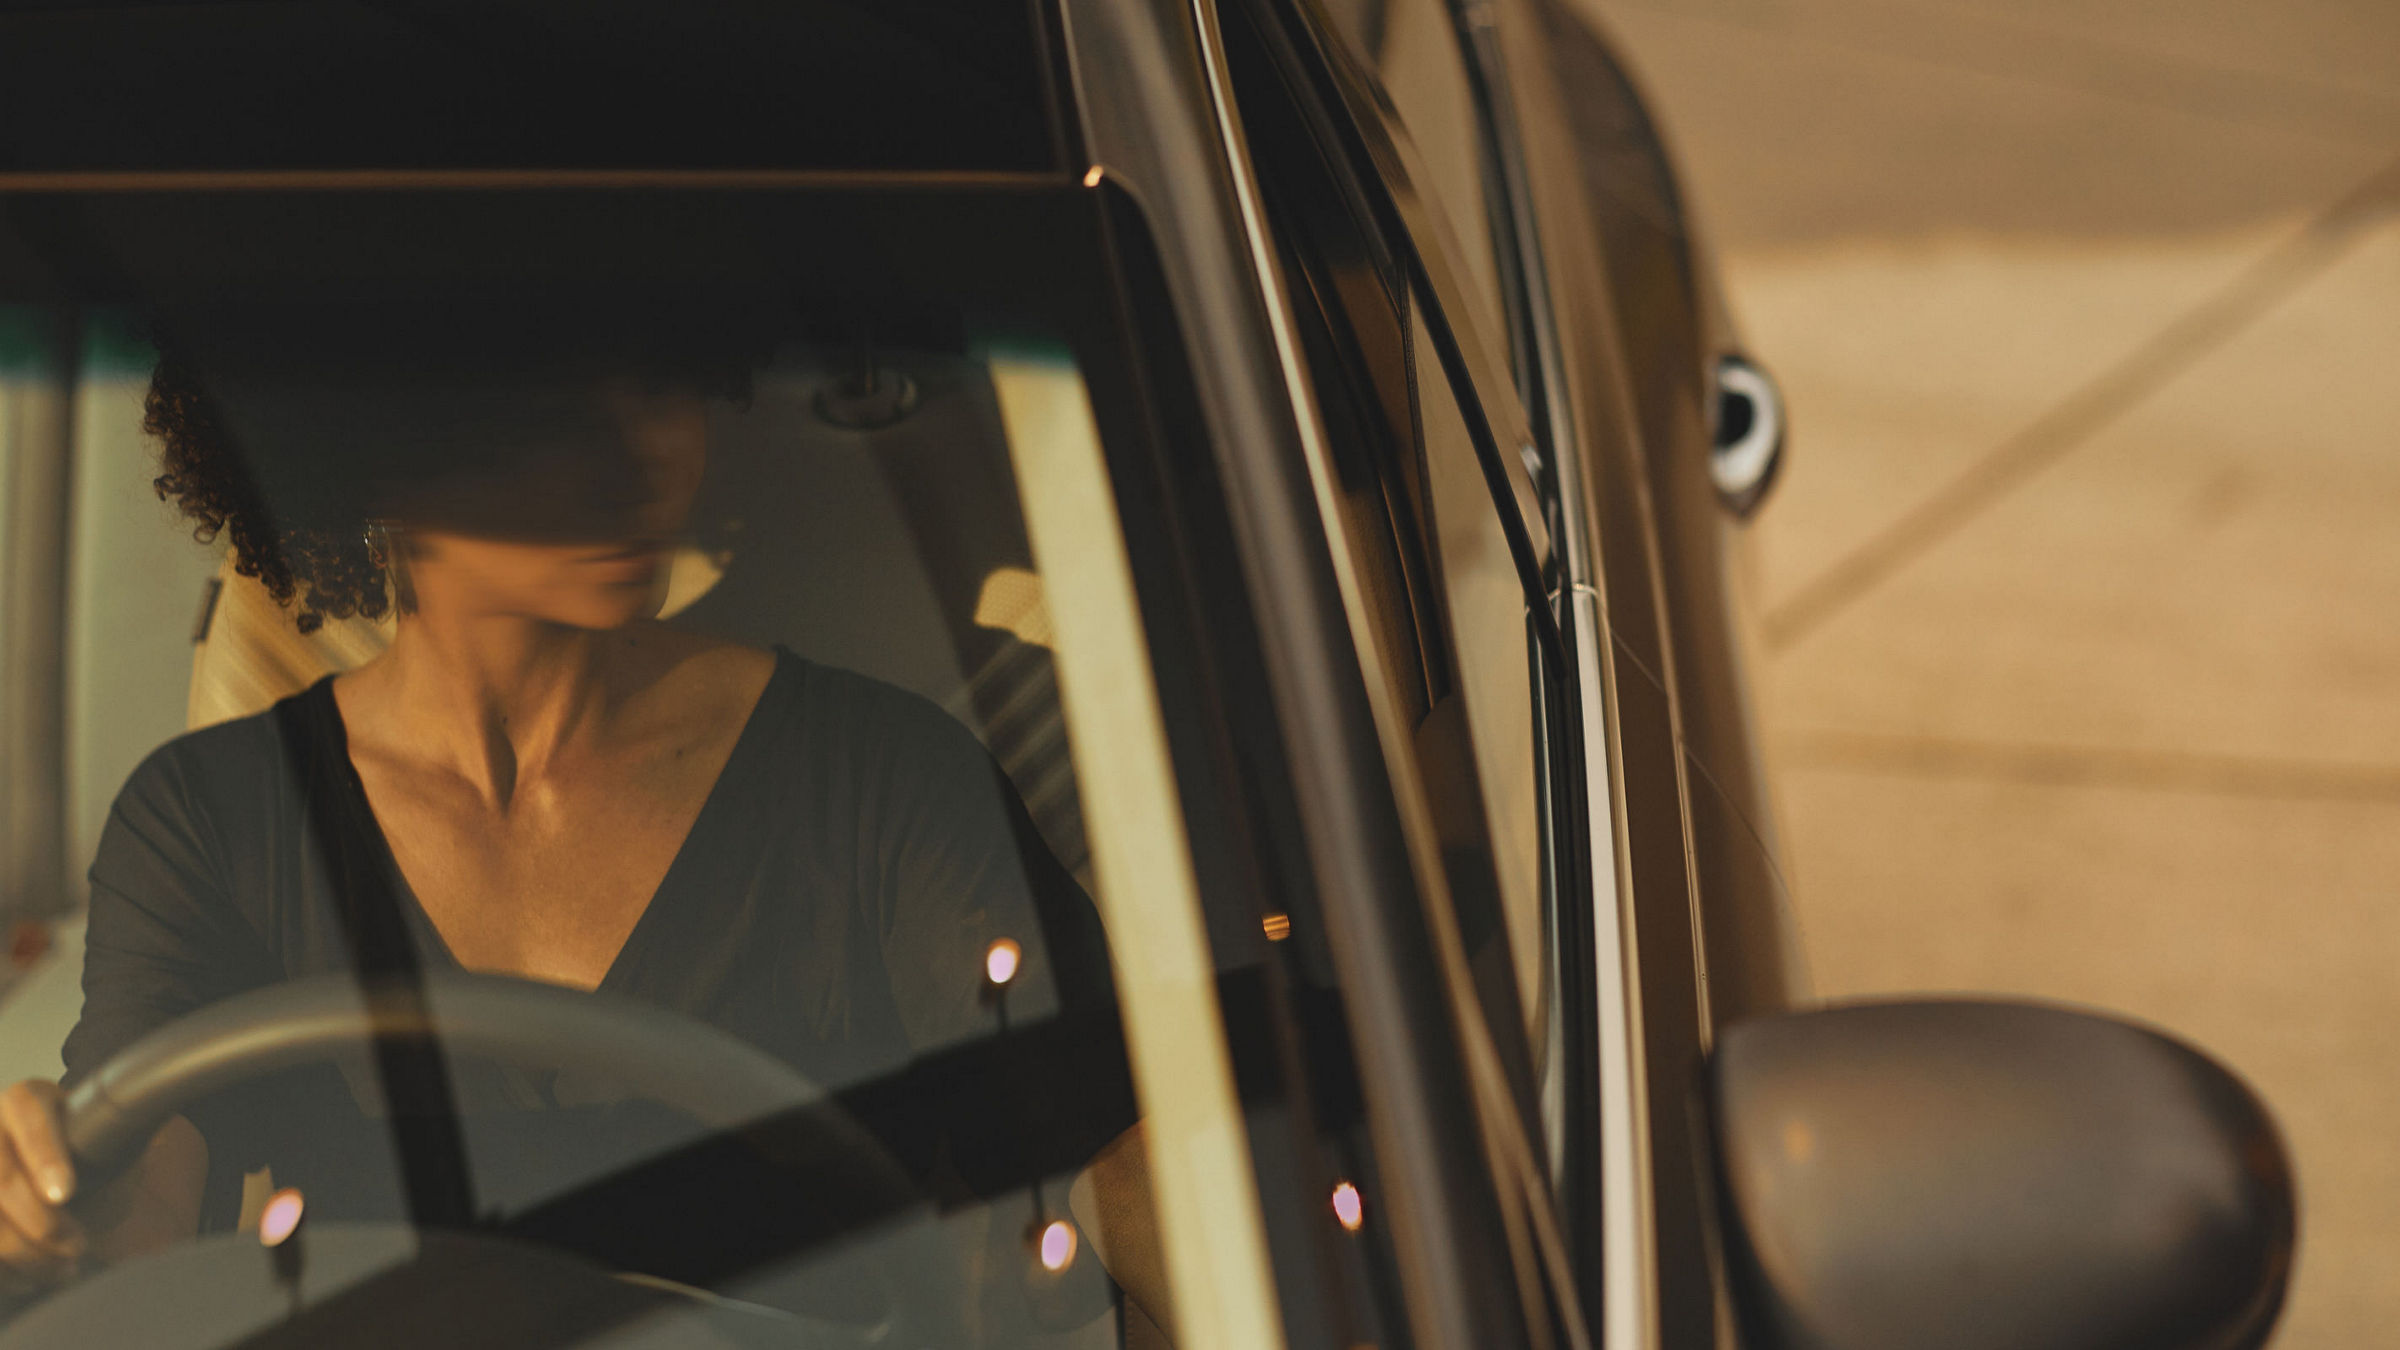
<point>496,698</point>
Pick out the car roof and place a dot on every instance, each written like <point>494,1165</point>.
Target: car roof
<point>849,85</point>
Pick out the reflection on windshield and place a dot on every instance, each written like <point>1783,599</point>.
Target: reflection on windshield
<point>669,652</point>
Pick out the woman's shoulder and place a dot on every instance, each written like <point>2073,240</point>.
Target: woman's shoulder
<point>241,748</point>
<point>826,714</point>
<point>681,684</point>
<point>857,706</point>
<point>216,785</point>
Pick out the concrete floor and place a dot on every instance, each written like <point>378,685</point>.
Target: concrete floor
<point>2078,608</point>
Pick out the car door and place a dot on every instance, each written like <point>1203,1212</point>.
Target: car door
<point>1676,868</point>
<point>1600,162</point>
<point>1442,529</point>
<point>1620,286</point>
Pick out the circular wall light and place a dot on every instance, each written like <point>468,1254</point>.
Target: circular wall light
<point>1747,425</point>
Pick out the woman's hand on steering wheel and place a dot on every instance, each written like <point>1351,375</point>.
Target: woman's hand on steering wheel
<point>48,1226</point>
<point>41,1244</point>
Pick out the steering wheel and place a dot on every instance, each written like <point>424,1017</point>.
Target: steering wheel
<point>718,1081</point>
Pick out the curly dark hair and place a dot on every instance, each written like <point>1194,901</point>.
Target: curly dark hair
<point>267,440</point>
<point>214,489</point>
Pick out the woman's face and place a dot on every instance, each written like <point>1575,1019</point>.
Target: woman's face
<point>576,531</point>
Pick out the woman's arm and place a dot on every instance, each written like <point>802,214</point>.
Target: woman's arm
<point>963,866</point>
<point>975,868</point>
<point>162,940</point>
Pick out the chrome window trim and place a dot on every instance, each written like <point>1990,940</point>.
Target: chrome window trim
<point>1628,1317</point>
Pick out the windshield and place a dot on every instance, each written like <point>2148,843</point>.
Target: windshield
<point>532,719</point>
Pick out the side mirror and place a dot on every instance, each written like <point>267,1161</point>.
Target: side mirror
<point>1993,1176</point>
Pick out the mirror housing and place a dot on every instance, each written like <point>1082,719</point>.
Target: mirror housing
<point>1993,1176</point>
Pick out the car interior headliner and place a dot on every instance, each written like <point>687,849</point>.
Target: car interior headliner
<point>849,85</point>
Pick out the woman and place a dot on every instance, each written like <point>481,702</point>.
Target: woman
<point>536,779</point>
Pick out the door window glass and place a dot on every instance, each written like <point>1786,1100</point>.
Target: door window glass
<point>1412,47</point>
<point>1490,642</point>
<point>1444,604</point>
